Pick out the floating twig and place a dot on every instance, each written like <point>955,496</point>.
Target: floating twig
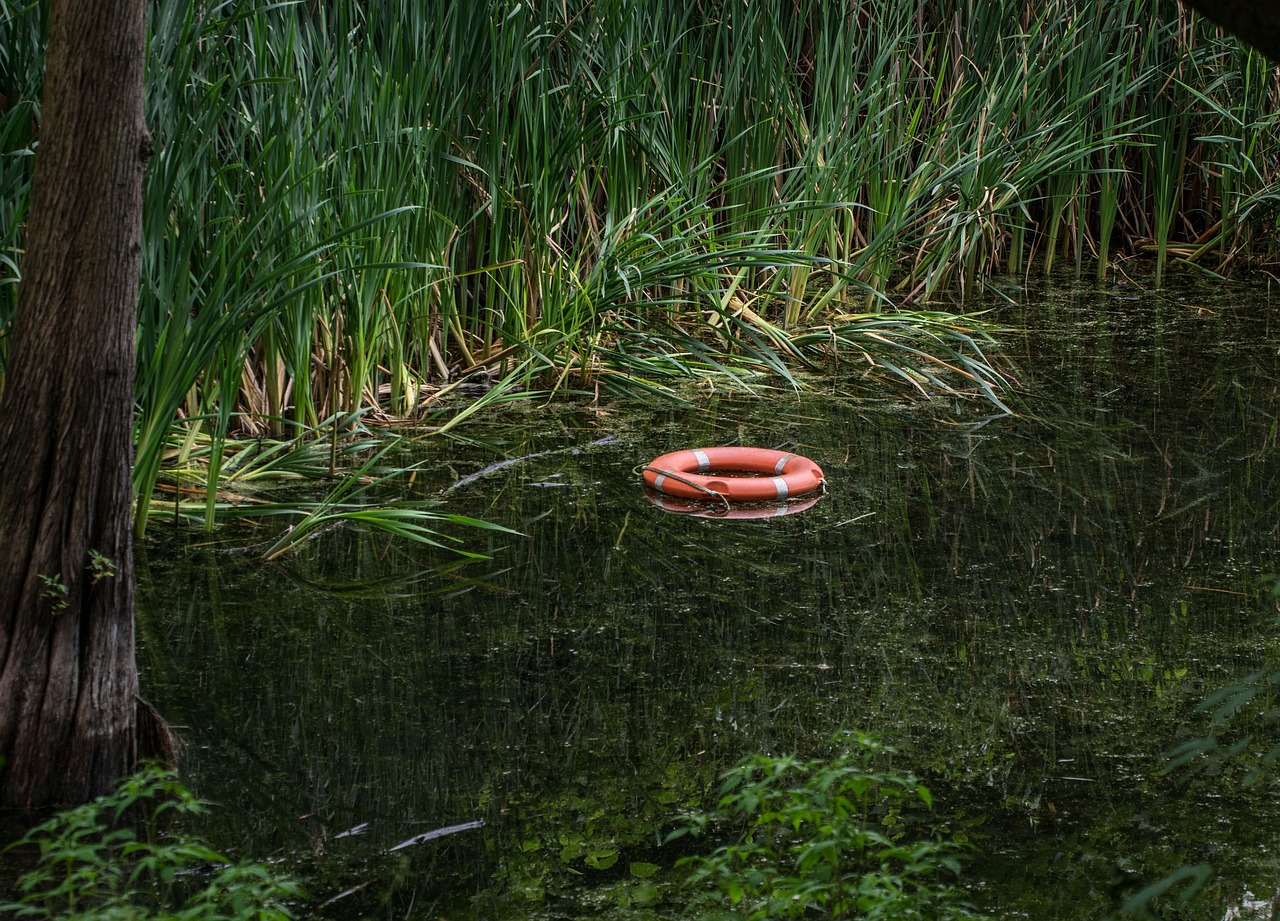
<point>437,833</point>
<point>498,465</point>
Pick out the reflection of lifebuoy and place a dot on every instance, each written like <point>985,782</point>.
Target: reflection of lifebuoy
<point>701,473</point>
<point>694,509</point>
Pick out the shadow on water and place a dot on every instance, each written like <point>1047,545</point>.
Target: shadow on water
<point>1029,607</point>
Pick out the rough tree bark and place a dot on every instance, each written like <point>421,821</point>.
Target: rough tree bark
<point>69,708</point>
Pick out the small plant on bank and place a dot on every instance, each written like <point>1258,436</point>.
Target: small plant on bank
<point>836,839</point>
<point>100,566</point>
<point>109,860</point>
<point>55,589</point>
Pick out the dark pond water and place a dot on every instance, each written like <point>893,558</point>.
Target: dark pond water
<point>1028,607</point>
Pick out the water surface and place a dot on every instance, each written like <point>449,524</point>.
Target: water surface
<point>1029,607</point>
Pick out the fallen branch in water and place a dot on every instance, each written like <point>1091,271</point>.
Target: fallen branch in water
<point>411,842</point>
<point>498,465</point>
<point>438,833</point>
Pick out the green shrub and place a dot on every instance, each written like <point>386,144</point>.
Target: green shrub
<point>116,858</point>
<point>838,838</point>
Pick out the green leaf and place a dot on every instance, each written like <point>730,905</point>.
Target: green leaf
<point>601,860</point>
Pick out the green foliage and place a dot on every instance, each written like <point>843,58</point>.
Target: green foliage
<point>844,837</point>
<point>100,566</point>
<point>367,496</point>
<point>1243,719</point>
<point>1177,888</point>
<point>55,589</point>
<point>96,864</point>
<point>355,209</point>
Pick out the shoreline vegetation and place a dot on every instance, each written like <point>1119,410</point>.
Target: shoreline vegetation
<point>357,214</point>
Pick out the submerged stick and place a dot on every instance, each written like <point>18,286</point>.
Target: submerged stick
<point>415,840</point>
<point>437,833</point>
<point>498,465</point>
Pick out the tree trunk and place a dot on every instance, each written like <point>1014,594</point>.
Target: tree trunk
<point>68,679</point>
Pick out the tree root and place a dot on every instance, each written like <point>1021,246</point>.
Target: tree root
<point>156,741</point>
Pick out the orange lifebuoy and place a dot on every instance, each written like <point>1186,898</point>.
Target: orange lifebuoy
<point>726,512</point>
<point>701,472</point>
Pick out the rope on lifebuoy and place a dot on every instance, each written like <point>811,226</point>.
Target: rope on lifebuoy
<point>687,482</point>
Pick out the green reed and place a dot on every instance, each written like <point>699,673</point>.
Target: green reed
<point>353,209</point>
